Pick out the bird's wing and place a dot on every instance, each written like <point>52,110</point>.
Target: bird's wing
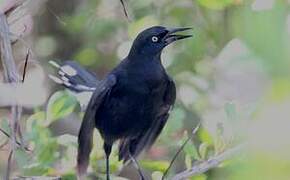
<point>87,128</point>
<point>146,140</point>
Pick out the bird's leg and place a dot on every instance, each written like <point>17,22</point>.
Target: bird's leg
<point>107,148</point>
<point>137,166</point>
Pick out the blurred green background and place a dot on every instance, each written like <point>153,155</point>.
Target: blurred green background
<point>232,76</point>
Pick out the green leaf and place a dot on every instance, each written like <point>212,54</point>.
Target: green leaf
<point>204,136</point>
<point>68,176</point>
<point>35,169</point>
<point>203,150</point>
<point>155,165</point>
<point>47,154</point>
<point>38,118</point>
<point>60,105</point>
<point>188,161</point>
<point>199,177</point>
<point>190,149</point>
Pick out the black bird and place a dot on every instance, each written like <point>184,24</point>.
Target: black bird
<point>132,103</point>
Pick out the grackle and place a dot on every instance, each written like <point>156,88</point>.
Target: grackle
<point>131,104</point>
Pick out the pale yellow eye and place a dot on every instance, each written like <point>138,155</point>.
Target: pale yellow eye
<point>154,39</point>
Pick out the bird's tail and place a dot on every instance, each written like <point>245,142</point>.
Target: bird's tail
<point>74,77</point>
<point>80,82</point>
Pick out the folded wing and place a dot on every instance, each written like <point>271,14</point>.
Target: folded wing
<point>85,138</point>
<point>146,140</point>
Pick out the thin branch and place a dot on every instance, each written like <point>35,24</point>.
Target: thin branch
<point>125,9</point>
<point>56,16</point>
<point>10,71</point>
<point>8,168</point>
<point>212,162</point>
<point>18,143</point>
<point>180,149</point>
<point>25,65</point>
<point>5,133</point>
<point>4,144</point>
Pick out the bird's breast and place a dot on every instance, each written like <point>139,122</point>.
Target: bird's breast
<point>131,106</point>
<point>134,101</point>
<point>147,86</point>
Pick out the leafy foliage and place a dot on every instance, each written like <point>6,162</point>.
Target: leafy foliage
<point>60,105</point>
<point>233,76</point>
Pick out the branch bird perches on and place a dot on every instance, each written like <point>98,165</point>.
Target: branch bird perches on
<point>210,163</point>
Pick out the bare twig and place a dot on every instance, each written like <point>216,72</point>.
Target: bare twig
<point>212,162</point>
<point>58,18</point>
<point>4,144</point>
<point>10,71</point>
<point>25,65</point>
<point>180,149</point>
<point>5,133</point>
<point>8,168</point>
<point>124,9</point>
<point>18,143</point>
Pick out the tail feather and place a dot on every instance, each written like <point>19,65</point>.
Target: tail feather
<point>74,77</point>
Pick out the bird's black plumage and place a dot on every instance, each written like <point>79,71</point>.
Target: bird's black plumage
<point>132,103</point>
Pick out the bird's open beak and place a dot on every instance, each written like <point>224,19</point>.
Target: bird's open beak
<point>171,36</point>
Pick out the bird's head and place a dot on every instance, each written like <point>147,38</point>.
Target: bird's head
<point>153,40</point>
